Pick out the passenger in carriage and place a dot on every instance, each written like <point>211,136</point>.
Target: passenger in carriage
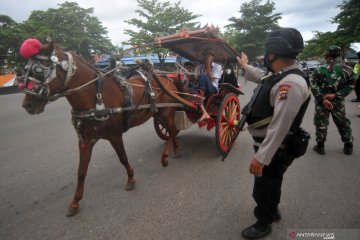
<point>229,76</point>
<point>208,74</point>
<point>189,80</point>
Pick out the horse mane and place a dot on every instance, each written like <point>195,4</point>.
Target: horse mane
<point>78,57</point>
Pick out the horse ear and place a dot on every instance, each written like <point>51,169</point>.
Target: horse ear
<point>51,44</point>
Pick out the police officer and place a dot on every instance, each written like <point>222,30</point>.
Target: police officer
<point>277,112</point>
<point>330,84</point>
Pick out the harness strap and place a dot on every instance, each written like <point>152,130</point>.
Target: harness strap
<point>148,88</point>
<point>97,114</point>
<point>120,78</point>
<point>71,69</point>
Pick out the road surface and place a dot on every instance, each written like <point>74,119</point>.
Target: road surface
<point>196,197</point>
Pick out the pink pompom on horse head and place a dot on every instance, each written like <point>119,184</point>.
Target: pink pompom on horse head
<point>30,48</point>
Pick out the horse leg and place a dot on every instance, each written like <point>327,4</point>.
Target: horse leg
<point>170,126</point>
<point>118,145</point>
<point>85,155</point>
<point>176,147</point>
<point>165,153</point>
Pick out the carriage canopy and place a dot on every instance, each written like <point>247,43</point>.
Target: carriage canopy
<point>193,44</point>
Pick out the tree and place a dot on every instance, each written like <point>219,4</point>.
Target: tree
<point>348,31</point>
<point>158,19</point>
<point>248,32</point>
<point>10,40</point>
<point>72,27</point>
<point>349,20</point>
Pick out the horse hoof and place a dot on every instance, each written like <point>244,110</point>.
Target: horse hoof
<point>165,164</point>
<point>130,186</point>
<point>71,211</point>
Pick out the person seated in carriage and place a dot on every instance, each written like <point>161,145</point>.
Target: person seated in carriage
<point>229,76</point>
<point>208,74</point>
<point>189,80</point>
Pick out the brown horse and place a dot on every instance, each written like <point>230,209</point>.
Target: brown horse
<point>103,106</point>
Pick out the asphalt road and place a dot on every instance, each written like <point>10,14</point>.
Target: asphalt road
<point>196,197</point>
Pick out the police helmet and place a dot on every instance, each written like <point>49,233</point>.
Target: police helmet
<point>333,51</point>
<point>284,42</point>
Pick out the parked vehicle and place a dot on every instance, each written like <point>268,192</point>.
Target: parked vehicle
<point>309,66</point>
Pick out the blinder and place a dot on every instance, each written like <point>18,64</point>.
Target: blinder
<point>40,71</point>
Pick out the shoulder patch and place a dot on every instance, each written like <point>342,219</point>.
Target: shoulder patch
<point>283,90</point>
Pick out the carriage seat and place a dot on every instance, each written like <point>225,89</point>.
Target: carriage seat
<point>227,88</point>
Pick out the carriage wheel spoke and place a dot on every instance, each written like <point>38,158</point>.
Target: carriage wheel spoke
<point>228,139</point>
<point>226,136</point>
<point>223,130</point>
<point>226,125</point>
<point>225,117</point>
<point>234,110</point>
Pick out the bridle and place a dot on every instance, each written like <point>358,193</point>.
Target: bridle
<point>36,71</point>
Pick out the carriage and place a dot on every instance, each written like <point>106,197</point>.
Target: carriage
<point>224,106</point>
<point>105,105</point>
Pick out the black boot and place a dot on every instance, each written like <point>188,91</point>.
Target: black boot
<point>277,216</point>
<point>319,148</point>
<point>348,148</point>
<point>255,231</point>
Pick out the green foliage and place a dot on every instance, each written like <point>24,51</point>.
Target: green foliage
<point>248,32</point>
<point>349,20</point>
<point>316,47</point>
<point>348,32</point>
<point>69,25</point>
<point>10,40</point>
<point>72,27</point>
<point>157,18</point>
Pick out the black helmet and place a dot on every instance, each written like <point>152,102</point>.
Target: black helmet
<point>284,42</point>
<point>333,51</point>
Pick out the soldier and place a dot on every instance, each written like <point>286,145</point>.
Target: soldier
<point>277,113</point>
<point>330,84</point>
<point>357,81</point>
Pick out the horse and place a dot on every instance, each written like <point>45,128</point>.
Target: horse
<point>104,106</point>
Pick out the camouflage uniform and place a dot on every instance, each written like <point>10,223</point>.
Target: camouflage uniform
<point>336,79</point>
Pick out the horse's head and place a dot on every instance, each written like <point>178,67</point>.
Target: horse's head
<point>47,73</point>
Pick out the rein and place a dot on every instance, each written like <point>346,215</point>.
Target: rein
<point>71,91</point>
<point>100,112</point>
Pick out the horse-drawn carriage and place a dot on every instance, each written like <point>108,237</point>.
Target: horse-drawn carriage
<point>224,106</point>
<point>105,105</point>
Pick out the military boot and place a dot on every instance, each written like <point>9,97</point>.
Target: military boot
<point>319,148</point>
<point>348,148</point>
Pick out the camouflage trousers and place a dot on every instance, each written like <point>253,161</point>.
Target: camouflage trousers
<point>321,121</point>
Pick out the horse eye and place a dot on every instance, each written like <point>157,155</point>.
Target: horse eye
<point>45,63</point>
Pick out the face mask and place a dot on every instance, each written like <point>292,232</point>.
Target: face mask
<point>267,62</point>
<point>228,71</point>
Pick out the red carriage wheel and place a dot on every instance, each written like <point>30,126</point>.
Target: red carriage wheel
<point>161,131</point>
<point>227,119</point>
